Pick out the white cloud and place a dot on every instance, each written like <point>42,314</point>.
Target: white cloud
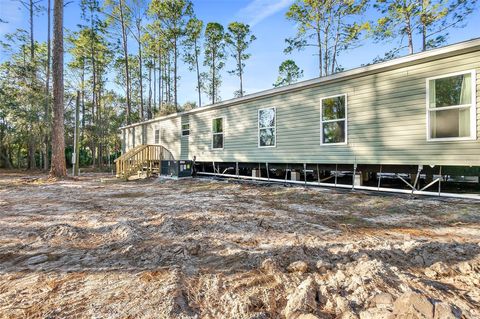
<point>258,10</point>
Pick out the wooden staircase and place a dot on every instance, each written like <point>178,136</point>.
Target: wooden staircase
<point>143,160</point>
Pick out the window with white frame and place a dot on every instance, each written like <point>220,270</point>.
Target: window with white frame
<point>333,120</point>
<point>267,121</point>
<point>186,129</point>
<point>217,133</point>
<point>451,111</point>
<point>157,136</point>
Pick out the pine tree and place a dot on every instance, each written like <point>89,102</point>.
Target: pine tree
<point>238,38</point>
<point>58,168</point>
<point>288,73</point>
<point>214,59</point>
<point>192,51</point>
<point>329,26</point>
<point>173,17</point>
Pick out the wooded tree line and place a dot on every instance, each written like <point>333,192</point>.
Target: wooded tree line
<point>140,45</point>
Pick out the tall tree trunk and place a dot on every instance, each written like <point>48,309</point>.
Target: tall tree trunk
<point>409,32</point>
<point>31,138</point>
<point>32,41</point>
<point>125,53</point>
<point>154,82</point>
<point>240,71</point>
<point>140,65</point>
<point>31,153</point>
<point>149,107</point>
<point>214,88</point>
<point>423,22</point>
<point>335,47</point>
<point>165,80</point>
<point>24,56</point>
<point>94,79</point>
<point>19,151</point>
<point>160,100</point>
<point>319,43</point>
<point>175,74</point>
<point>169,78</point>
<point>46,163</point>
<point>161,81</point>
<point>325,52</point>
<point>410,42</point>
<point>94,152</point>
<point>163,85</point>
<point>4,158</point>
<point>198,76</point>
<point>83,99</point>
<point>424,38</point>
<point>100,123</point>
<point>58,168</point>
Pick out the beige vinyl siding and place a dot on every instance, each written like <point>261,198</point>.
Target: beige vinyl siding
<point>130,137</point>
<point>185,140</point>
<point>151,132</point>
<point>138,135</point>
<point>170,135</point>
<point>125,140</point>
<point>386,122</point>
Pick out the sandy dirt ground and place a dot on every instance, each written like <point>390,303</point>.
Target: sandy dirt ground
<point>226,249</point>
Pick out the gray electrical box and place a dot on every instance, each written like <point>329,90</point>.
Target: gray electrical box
<point>176,169</point>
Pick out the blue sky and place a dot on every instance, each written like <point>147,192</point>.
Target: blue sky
<point>268,23</point>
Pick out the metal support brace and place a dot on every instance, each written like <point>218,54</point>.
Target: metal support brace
<point>430,184</point>
<point>318,174</point>
<point>414,186</point>
<point>354,174</point>
<point>420,167</point>
<point>440,181</point>
<point>379,178</point>
<point>336,174</point>
<point>305,173</point>
<point>326,178</point>
<point>403,180</point>
<point>237,171</point>
<point>225,170</point>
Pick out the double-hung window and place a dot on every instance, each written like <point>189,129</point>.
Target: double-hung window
<point>157,136</point>
<point>451,110</point>
<point>267,121</point>
<point>217,133</point>
<point>186,129</point>
<point>333,120</point>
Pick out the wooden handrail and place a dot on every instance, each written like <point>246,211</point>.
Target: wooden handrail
<point>129,153</point>
<point>140,157</point>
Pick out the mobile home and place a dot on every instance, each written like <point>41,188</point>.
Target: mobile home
<point>415,115</point>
